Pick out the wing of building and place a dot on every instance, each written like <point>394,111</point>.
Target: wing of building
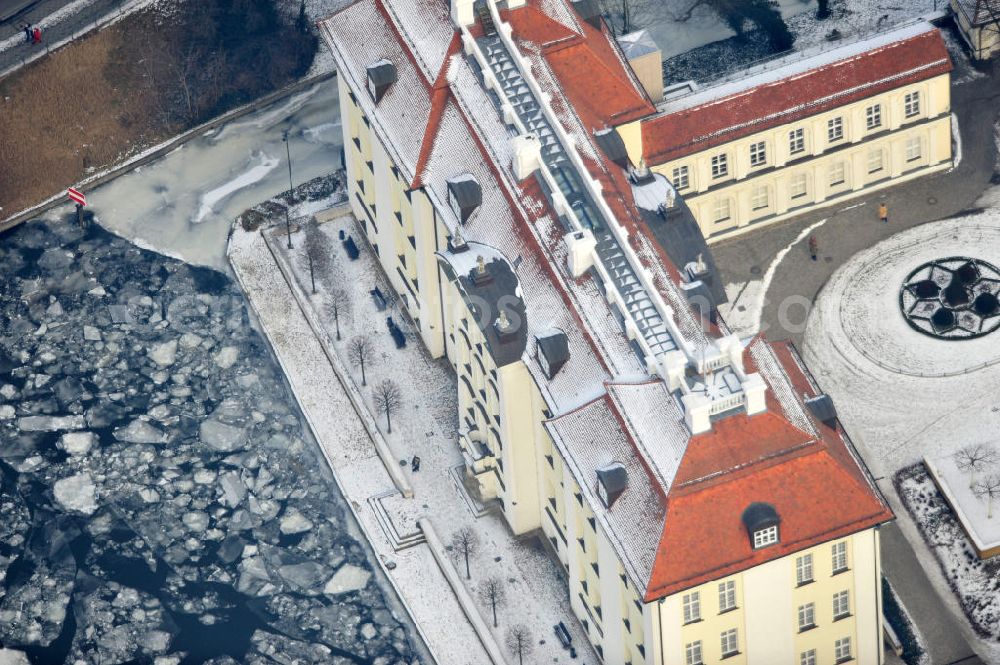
<point>695,487</point>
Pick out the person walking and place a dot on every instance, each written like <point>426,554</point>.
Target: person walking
<point>813,247</point>
<point>883,212</point>
<point>36,35</point>
<point>27,33</point>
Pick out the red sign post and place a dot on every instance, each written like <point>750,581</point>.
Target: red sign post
<point>80,200</point>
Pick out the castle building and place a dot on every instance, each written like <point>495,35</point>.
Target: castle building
<point>804,131</point>
<point>696,487</point>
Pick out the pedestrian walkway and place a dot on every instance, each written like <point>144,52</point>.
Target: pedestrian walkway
<point>277,283</point>
<point>418,580</point>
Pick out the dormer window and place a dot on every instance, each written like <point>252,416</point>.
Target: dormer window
<point>381,75</point>
<point>761,521</point>
<point>611,482</point>
<point>553,351</point>
<point>765,537</point>
<point>464,196</point>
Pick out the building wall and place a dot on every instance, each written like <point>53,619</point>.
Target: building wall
<point>983,39</point>
<point>824,171</point>
<point>769,598</point>
<point>400,224</point>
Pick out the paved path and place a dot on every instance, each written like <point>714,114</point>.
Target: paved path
<point>419,582</point>
<point>850,228</point>
<point>59,19</point>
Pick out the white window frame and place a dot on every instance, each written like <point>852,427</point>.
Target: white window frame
<point>796,141</point>
<point>838,557</point>
<point>727,596</point>
<point>841,605</point>
<point>730,642</point>
<point>804,569</point>
<point>807,616</point>
<point>808,657</point>
<point>835,129</point>
<point>692,653</point>
<point>681,177</point>
<point>911,104</point>
<point>766,536</point>
<point>720,166</point>
<point>873,116</point>
<point>758,154</point>
<point>913,148</point>
<point>692,607</point>
<point>723,210</point>
<point>798,186</point>
<point>838,173</point>
<point>842,650</point>
<point>760,198</point>
<point>872,154</point>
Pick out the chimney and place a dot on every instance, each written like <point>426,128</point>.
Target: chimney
<point>646,60</point>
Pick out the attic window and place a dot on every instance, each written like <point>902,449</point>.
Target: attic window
<point>611,482</point>
<point>381,75</point>
<point>464,196</point>
<point>553,352</point>
<point>761,521</point>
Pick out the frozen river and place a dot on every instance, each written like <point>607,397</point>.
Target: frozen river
<point>184,203</point>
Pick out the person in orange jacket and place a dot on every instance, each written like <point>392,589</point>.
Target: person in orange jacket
<point>883,212</point>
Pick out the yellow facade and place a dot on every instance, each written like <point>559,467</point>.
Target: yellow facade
<point>501,412</point>
<point>821,160</point>
<point>983,37</point>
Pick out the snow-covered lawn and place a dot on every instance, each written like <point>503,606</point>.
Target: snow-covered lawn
<point>426,426</point>
<point>976,582</point>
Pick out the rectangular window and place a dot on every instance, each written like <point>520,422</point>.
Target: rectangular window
<point>807,616</point>
<point>680,177</point>
<point>842,649</point>
<point>837,170</point>
<point>797,186</point>
<point>720,166</point>
<point>875,161</point>
<point>692,607</point>
<point>759,199</point>
<point>758,154</point>
<point>839,551</point>
<point>911,104</point>
<point>841,605</point>
<point>692,653</point>
<point>727,595</point>
<point>796,141</point>
<point>804,569</point>
<point>721,209</point>
<point>873,116</point>
<point>808,657</point>
<point>764,537</point>
<point>730,643</point>
<point>834,129</point>
<point>913,148</point>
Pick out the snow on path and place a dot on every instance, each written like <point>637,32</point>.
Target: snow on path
<point>753,294</point>
<point>242,181</point>
<point>47,22</point>
<point>350,453</point>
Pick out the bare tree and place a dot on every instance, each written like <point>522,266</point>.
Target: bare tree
<point>388,398</point>
<point>361,350</point>
<point>338,305</point>
<point>466,543</point>
<point>988,488</point>
<point>317,252</point>
<point>975,458</point>
<point>520,642</point>
<point>492,593</point>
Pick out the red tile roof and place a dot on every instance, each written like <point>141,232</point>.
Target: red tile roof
<point>684,132</point>
<point>815,484</point>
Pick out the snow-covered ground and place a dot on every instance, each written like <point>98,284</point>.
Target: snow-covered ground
<point>184,203</point>
<point>975,582</point>
<point>425,426</point>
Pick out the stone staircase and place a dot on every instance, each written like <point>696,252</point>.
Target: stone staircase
<point>401,532</point>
